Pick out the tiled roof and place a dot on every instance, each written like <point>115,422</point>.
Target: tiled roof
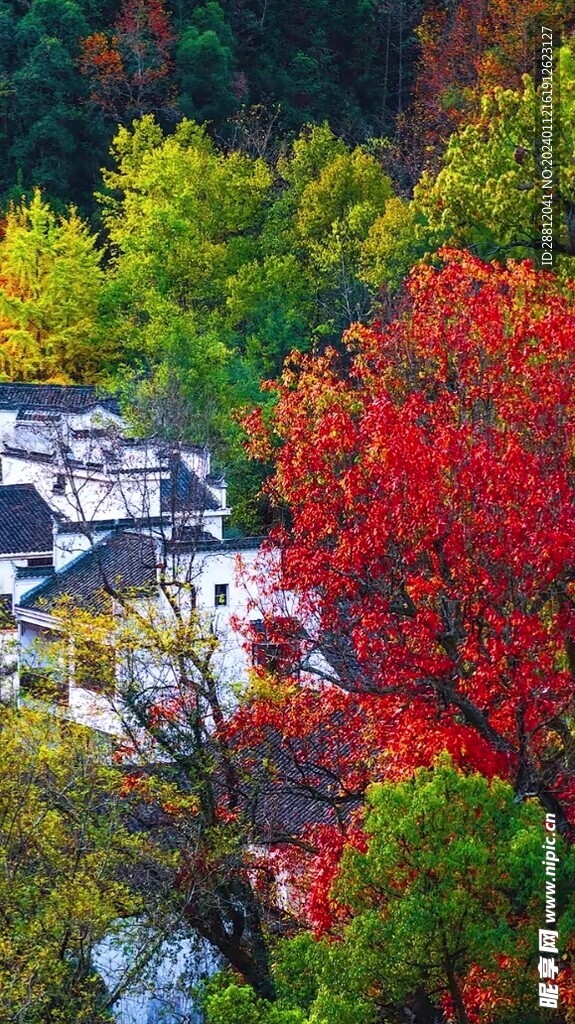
<point>25,520</point>
<point>232,544</point>
<point>283,791</point>
<point>124,562</point>
<point>294,788</point>
<point>28,456</point>
<point>34,572</point>
<point>191,538</point>
<point>185,491</point>
<point>63,397</point>
<point>106,525</point>
<point>7,620</point>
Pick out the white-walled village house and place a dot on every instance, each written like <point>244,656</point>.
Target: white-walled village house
<point>80,500</point>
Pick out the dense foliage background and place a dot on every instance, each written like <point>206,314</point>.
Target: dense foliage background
<point>191,191</point>
<point>308,234</point>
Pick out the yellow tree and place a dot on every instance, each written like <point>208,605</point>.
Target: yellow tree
<point>64,856</point>
<point>50,285</point>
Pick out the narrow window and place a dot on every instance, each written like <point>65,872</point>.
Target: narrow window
<point>221,594</point>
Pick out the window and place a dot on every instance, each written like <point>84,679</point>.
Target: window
<point>38,416</point>
<point>40,560</point>
<point>266,656</point>
<point>59,485</point>
<point>221,594</point>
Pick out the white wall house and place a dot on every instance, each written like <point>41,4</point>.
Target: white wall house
<point>73,446</point>
<point>80,500</point>
<point>129,559</point>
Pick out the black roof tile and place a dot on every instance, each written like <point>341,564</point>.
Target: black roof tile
<point>92,526</point>
<point>232,544</point>
<point>295,787</point>
<point>31,572</point>
<point>124,562</point>
<point>184,490</point>
<point>65,397</point>
<point>25,520</point>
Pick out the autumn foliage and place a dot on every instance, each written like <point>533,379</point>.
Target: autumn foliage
<point>468,49</point>
<point>428,470</point>
<point>129,69</point>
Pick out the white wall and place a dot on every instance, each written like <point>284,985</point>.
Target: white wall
<point>9,584</point>
<point>122,490</point>
<point>7,565</point>
<point>207,569</point>
<point>23,585</point>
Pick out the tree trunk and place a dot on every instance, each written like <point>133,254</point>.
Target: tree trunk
<point>456,994</point>
<point>240,939</point>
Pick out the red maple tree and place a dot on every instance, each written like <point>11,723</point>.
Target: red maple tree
<point>129,68</point>
<point>429,562</point>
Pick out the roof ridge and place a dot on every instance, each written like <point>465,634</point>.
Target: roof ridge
<point>42,384</point>
<point>27,484</point>
<point>69,565</point>
<point>106,542</point>
<point>73,397</point>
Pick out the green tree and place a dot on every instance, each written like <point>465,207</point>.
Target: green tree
<point>50,284</point>
<point>395,241</point>
<point>333,217</point>
<point>311,244</point>
<point>63,856</point>
<point>451,879</point>
<point>342,61</point>
<point>486,195</point>
<point>205,65</point>
<point>51,140</point>
<point>223,264</point>
<point>346,62</point>
<point>439,906</point>
<point>182,220</point>
<point>204,240</point>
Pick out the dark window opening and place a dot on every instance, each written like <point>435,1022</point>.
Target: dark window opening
<point>267,656</point>
<point>40,560</point>
<point>59,485</point>
<point>38,416</point>
<point>221,595</point>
